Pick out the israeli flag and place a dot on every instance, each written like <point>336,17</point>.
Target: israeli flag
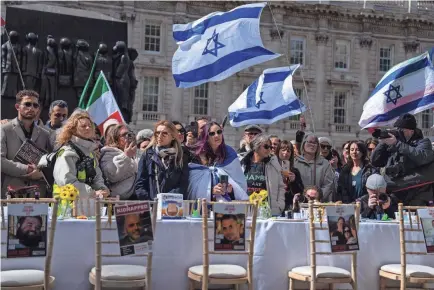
<point>218,45</point>
<point>407,87</point>
<point>267,100</point>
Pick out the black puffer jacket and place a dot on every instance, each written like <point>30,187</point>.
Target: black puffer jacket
<point>346,192</point>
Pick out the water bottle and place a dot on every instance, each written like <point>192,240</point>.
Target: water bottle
<point>37,195</point>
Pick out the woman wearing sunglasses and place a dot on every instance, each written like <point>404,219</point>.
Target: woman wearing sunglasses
<point>163,168</point>
<point>214,163</point>
<point>263,172</point>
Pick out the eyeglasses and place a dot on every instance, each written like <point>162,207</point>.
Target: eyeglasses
<point>181,131</point>
<point>58,115</point>
<point>267,147</point>
<point>163,133</point>
<point>218,132</point>
<point>29,104</point>
<point>328,147</point>
<point>370,149</point>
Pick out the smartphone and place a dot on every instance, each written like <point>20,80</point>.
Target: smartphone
<point>285,165</point>
<point>224,180</point>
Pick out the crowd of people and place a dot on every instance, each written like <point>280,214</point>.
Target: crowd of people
<point>191,160</point>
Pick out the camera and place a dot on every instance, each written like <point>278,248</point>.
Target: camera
<point>87,165</point>
<point>130,138</point>
<point>384,133</point>
<point>382,198</point>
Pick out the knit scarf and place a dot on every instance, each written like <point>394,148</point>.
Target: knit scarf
<point>166,154</point>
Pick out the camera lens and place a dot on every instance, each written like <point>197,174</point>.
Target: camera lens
<point>382,197</point>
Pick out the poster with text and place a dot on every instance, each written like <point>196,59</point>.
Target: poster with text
<point>27,230</point>
<point>134,228</point>
<point>342,229</point>
<point>229,227</point>
<point>427,220</point>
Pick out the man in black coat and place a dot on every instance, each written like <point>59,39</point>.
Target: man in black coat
<point>402,154</point>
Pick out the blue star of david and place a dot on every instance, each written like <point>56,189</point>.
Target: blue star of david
<point>393,94</point>
<point>217,45</point>
<point>260,102</point>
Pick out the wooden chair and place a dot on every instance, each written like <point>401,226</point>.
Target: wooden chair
<point>417,274</point>
<point>30,279</point>
<point>220,273</point>
<point>325,274</point>
<point>120,275</point>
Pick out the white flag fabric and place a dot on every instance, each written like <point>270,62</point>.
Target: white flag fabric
<point>407,87</point>
<point>267,100</point>
<point>218,45</point>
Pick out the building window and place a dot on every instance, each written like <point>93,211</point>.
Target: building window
<point>427,119</point>
<point>385,58</point>
<point>299,92</point>
<point>339,108</point>
<point>342,55</point>
<point>296,51</point>
<point>150,94</point>
<point>200,106</point>
<point>152,37</point>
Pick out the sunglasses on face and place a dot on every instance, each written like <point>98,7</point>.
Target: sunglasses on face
<point>163,133</point>
<point>181,131</point>
<point>252,133</point>
<point>218,132</point>
<point>371,149</point>
<point>267,147</point>
<point>30,104</point>
<point>328,147</point>
<point>58,115</point>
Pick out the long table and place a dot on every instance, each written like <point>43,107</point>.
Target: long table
<point>279,246</point>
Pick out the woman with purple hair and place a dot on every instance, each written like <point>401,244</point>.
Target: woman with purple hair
<point>214,164</point>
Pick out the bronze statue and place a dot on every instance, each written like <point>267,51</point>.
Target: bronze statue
<point>121,79</point>
<point>132,53</point>
<point>103,63</point>
<point>66,67</point>
<point>49,73</point>
<point>82,66</point>
<point>32,63</point>
<point>11,82</point>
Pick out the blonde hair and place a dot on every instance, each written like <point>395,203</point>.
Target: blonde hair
<point>175,143</point>
<point>70,128</point>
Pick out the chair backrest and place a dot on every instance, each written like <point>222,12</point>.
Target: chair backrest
<point>250,242</point>
<point>323,226</point>
<point>403,240</point>
<point>109,227</point>
<point>51,232</point>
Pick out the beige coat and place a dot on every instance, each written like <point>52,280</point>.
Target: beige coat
<point>12,137</point>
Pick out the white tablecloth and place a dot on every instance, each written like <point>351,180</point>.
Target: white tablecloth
<point>279,247</point>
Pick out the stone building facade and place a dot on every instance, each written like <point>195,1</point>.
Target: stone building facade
<point>345,47</point>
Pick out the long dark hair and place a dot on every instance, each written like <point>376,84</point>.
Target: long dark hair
<point>363,149</point>
<point>286,144</point>
<point>336,153</point>
<point>202,146</point>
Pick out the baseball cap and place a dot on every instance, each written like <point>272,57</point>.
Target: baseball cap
<point>253,128</point>
<point>375,182</point>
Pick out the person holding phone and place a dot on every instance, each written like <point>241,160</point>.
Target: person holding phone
<point>118,162</point>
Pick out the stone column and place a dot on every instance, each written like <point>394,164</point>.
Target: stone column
<point>176,103</point>
<point>365,43</point>
<point>318,103</point>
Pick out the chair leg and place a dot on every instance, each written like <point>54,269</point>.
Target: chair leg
<point>382,283</point>
<point>291,284</point>
<point>236,287</point>
<point>191,284</point>
<point>331,287</point>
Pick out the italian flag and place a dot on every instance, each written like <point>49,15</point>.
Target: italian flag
<point>102,104</point>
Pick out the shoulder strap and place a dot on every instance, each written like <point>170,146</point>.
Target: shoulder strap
<point>80,153</point>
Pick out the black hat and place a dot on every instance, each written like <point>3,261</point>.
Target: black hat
<point>406,121</point>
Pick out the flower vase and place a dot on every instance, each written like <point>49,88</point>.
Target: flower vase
<point>64,211</point>
<point>264,211</point>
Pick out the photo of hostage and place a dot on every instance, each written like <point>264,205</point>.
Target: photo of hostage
<point>343,232</point>
<point>133,231</point>
<point>29,232</point>
<point>232,229</point>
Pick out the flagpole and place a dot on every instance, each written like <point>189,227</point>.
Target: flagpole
<point>289,64</point>
<point>86,87</point>
<point>15,58</point>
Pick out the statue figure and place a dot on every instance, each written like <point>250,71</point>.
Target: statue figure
<point>66,67</point>
<point>82,67</point>
<point>103,63</point>
<point>121,79</point>
<point>132,53</point>
<point>66,73</point>
<point>32,63</point>
<point>11,82</point>
<point>49,73</point>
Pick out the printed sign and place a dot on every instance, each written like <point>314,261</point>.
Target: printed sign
<point>427,220</point>
<point>27,230</point>
<point>134,228</point>
<point>29,153</point>
<point>229,227</point>
<point>342,229</point>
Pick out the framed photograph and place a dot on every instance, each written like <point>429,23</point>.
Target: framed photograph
<point>29,153</point>
<point>27,230</point>
<point>229,227</point>
<point>427,220</point>
<point>342,229</point>
<point>134,228</point>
